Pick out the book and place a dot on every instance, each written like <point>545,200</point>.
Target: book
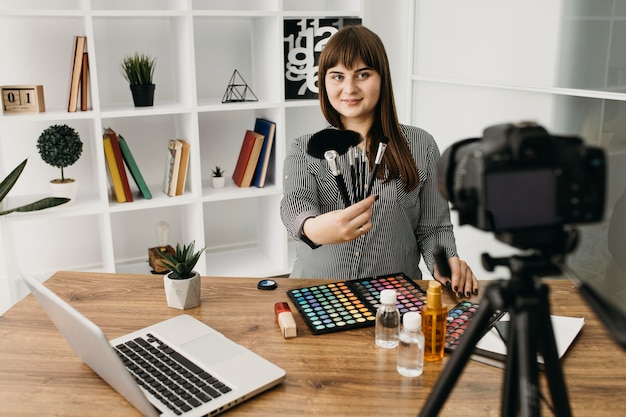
<point>84,83</point>
<point>119,159</point>
<point>79,48</point>
<point>172,166</point>
<point>182,170</point>
<point>268,129</point>
<point>248,158</point>
<point>114,173</point>
<point>491,348</point>
<point>133,168</point>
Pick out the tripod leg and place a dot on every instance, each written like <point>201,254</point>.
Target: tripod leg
<point>554,373</point>
<point>524,322</point>
<point>491,301</point>
<point>510,405</point>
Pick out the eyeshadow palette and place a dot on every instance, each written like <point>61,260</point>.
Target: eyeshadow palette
<point>459,319</point>
<point>344,305</point>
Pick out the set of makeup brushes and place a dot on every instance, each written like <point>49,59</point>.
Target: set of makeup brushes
<point>329,144</point>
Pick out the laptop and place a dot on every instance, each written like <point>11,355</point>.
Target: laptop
<point>178,367</point>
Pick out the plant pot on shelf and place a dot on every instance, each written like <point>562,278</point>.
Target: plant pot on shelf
<point>143,95</point>
<point>182,293</point>
<point>218,182</point>
<point>64,188</point>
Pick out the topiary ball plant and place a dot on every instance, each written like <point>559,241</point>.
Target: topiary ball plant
<point>60,146</point>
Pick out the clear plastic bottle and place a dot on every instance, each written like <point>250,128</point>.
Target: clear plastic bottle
<point>387,320</point>
<point>411,345</point>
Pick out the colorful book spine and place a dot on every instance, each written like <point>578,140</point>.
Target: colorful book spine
<point>79,48</point>
<point>172,166</point>
<point>264,167</point>
<point>133,168</point>
<point>184,164</point>
<point>119,159</point>
<point>114,173</point>
<point>248,157</point>
<point>84,84</point>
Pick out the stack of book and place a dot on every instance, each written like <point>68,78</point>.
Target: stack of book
<point>79,78</point>
<point>119,158</point>
<point>176,167</point>
<point>254,164</point>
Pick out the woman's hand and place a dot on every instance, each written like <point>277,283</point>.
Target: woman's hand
<point>463,282</point>
<point>341,226</point>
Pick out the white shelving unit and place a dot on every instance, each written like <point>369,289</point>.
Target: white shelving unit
<point>198,44</point>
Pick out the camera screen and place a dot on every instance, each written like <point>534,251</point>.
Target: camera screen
<point>516,199</point>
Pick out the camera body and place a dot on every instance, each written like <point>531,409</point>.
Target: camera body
<point>518,179</point>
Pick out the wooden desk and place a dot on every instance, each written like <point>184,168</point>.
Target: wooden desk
<point>339,374</point>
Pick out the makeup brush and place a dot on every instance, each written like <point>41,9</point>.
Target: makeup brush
<point>339,141</point>
<point>332,139</point>
<point>352,160</point>
<point>382,146</point>
<point>442,263</point>
<point>364,170</point>
<point>331,158</point>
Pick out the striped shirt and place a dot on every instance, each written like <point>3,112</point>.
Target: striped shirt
<point>406,226</point>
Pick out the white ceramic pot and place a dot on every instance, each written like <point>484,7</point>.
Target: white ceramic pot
<point>182,293</point>
<point>65,189</point>
<point>218,182</point>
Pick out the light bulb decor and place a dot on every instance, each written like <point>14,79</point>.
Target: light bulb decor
<point>162,230</point>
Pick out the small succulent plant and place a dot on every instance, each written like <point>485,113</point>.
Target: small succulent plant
<point>182,262</point>
<point>218,172</point>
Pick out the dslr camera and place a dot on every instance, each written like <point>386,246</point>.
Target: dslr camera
<point>522,183</point>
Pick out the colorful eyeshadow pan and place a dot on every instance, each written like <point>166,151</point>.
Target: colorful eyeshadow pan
<point>459,319</point>
<point>345,305</point>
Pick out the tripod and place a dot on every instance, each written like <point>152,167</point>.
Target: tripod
<point>530,332</point>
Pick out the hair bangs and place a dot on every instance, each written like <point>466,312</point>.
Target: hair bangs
<point>351,48</point>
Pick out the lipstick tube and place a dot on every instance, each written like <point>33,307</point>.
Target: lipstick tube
<point>285,320</point>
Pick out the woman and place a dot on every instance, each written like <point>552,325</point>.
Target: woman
<point>405,217</point>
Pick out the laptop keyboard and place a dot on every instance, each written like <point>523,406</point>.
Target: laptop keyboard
<point>169,376</point>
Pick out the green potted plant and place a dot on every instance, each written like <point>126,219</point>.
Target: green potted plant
<point>60,146</point>
<point>7,184</point>
<point>138,70</point>
<point>182,283</point>
<point>218,177</point>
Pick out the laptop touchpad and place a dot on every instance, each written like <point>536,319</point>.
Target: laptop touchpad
<point>213,348</point>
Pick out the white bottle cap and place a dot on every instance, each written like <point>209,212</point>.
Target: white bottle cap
<point>388,296</point>
<point>412,320</point>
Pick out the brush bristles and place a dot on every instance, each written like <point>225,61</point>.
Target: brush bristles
<point>332,139</point>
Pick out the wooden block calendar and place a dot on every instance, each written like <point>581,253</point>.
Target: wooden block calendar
<point>23,99</point>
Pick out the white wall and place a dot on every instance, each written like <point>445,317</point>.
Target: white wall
<point>391,21</point>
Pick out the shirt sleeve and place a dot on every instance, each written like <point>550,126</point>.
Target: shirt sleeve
<point>300,198</point>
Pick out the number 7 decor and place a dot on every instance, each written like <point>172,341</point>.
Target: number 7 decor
<point>303,41</point>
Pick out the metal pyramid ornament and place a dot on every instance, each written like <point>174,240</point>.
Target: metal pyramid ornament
<point>237,90</point>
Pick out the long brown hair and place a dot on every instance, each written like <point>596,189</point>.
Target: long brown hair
<point>347,46</point>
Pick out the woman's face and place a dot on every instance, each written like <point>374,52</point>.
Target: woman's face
<point>353,92</point>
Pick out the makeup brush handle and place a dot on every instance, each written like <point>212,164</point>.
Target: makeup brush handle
<point>353,178</point>
<point>370,181</point>
<point>343,190</point>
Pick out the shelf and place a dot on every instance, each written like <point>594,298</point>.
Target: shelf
<point>198,44</point>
